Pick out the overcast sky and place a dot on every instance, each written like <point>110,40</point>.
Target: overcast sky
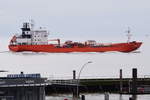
<point>74,18</point>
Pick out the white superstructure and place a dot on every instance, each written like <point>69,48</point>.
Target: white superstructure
<point>39,37</point>
<point>30,36</point>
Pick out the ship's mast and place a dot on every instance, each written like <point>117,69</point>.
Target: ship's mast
<point>129,35</point>
<point>32,24</point>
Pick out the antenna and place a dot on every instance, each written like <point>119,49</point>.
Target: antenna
<point>129,34</point>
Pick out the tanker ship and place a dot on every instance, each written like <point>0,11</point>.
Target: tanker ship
<point>37,41</point>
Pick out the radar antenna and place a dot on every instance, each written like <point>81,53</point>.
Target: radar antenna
<point>129,34</point>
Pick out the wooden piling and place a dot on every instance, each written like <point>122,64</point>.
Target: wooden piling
<point>134,80</point>
<point>106,96</point>
<point>121,83</point>
<point>75,87</point>
<point>134,97</point>
<point>130,98</point>
<point>74,74</point>
<point>83,97</point>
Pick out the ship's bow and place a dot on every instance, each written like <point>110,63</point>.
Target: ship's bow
<point>132,46</point>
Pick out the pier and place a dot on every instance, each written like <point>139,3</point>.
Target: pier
<point>120,85</point>
<point>33,87</point>
<point>22,87</point>
<point>100,85</point>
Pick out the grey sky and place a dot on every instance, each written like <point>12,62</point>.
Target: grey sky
<point>71,18</point>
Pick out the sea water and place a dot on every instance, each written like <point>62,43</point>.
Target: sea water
<point>98,96</point>
<point>61,65</point>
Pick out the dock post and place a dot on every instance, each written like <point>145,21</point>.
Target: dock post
<point>74,92</point>
<point>74,74</point>
<point>121,83</point>
<point>106,96</point>
<point>130,98</point>
<point>129,86</point>
<point>83,97</point>
<point>134,97</point>
<point>74,88</point>
<point>134,80</point>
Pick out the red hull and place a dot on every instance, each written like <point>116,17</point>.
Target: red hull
<point>120,47</point>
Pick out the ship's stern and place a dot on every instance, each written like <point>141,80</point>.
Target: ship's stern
<point>14,48</point>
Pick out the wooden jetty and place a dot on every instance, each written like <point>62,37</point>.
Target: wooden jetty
<point>121,85</point>
<point>99,85</point>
